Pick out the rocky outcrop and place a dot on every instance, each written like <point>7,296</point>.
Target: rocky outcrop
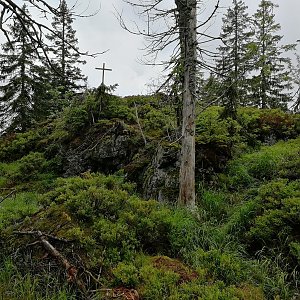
<point>111,147</point>
<point>161,176</point>
<point>105,150</point>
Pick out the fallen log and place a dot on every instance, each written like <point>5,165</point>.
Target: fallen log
<point>71,270</point>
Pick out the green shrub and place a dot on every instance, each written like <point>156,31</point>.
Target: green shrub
<point>212,129</point>
<point>27,168</point>
<point>14,146</point>
<point>295,250</point>
<point>154,120</point>
<point>118,108</point>
<point>75,118</point>
<point>279,217</point>
<point>281,159</point>
<point>264,166</point>
<point>125,275</point>
<point>263,125</point>
<point>113,217</point>
<point>21,205</point>
<point>239,175</point>
<point>31,165</point>
<point>157,283</point>
<point>250,167</point>
<point>241,219</point>
<point>218,291</point>
<point>278,123</point>
<point>223,266</point>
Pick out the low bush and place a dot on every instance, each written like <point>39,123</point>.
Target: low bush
<point>223,266</point>
<point>17,207</point>
<point>279,160</point>
<point>27,168</point>
<point>14,146</point>
<point>278,220</point>
<point>125,224</point>
<point>75,118</point>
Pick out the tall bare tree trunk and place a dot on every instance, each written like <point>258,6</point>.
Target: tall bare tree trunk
<point>187,21</point>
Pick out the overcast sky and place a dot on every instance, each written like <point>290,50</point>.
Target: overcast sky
<point>102,32</point>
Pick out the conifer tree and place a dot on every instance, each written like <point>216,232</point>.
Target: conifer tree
<point>272,83</point>
<point>20,78</point>
<point>235,56</point>
<point>67,75</point>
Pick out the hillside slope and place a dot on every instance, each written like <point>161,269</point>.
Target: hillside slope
<point>83,190</point>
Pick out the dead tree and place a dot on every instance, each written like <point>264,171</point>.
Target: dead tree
<point>187,22</point>
<point>180,36</point>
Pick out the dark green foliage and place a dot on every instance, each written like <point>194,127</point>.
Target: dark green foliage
<point>271,86</point>
<point>24,87</point>
<point>240,243</point>
<point>17,207</point>
<point>239,176</point>
<point>27,168</point>
<point>214,204</point>
<point>31,165</point>
<point>66,76</point>
<point>30,173</point>
<point>226,267</point>
<point>215,139</point>
<point>267,219</point>
<point>125,275</point>
<point>120,220</point>
<point>218,139</point>
<point>76,118</point>
<point>236,55</point>
<point>14,146</point>
<point>268,164</point>
<point>267,125</point>
<point>211,128</point>
<point>252,126</point>
<point>278,221</point>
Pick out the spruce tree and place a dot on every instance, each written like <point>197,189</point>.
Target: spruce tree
<point>66,75</point>
<point>272,83</point>
<point>235,55</point>
<point>20,78</point>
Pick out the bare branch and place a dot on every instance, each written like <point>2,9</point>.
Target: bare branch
<point>35,30</point>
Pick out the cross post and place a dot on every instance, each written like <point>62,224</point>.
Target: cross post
<point>103,70</point>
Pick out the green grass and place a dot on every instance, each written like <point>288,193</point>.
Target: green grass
<point>281,160</point>
<point>18,207</point>
<point>16,286</point>
<point>242,241</point>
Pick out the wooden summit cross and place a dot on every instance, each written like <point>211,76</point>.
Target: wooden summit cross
<point>103,70</point>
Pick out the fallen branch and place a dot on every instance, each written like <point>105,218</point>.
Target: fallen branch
<point>71,271</point>
<point>12,193</point>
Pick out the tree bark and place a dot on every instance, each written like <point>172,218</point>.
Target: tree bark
<point>187,21</point>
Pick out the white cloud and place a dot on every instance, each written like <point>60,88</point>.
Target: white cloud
<point>103,31</point>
